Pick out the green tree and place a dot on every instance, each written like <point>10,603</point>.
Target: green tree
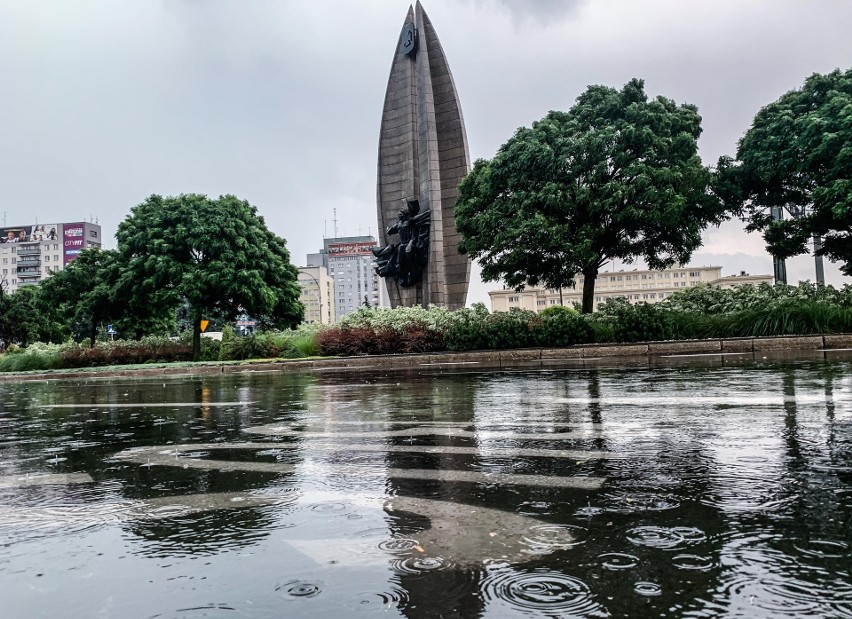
<point>216,255</point>
<point>83,292</point>
<point>616,176</point>
<point>797,155</point>
<point>26,318</point>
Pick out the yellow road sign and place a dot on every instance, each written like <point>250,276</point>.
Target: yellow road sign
<point>204,324</point>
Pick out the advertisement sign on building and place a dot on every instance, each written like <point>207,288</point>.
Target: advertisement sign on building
<point>72,241</point>
<point>44,232</point>
<point>350,249</point>
<point>15,235</point>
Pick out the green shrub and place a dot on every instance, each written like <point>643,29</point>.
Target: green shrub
<point>467,330</point>
<point>562,328</point>
<point>210,349</point>
<point>792,316</point>
<point>34,357</point>
<point>642,322</point>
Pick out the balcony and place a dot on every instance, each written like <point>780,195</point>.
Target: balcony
<point>29,250</point>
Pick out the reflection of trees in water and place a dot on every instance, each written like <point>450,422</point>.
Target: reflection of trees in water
<point>814,464</point>
<point>202,532</point>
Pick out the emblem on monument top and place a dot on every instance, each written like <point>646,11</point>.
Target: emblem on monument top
<point>408,39</point>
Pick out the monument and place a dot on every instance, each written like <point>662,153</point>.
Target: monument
<point>423,156</point>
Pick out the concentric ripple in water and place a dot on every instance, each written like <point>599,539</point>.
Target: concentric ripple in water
<point>541,591</point>
<point>648,589</point>
<point>299,589</point>
<point>666,538</point>
<point>618,560</point>
<point>419,565</point>
<point>545,538</point>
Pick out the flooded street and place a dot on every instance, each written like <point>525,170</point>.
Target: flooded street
<point>693,490</point>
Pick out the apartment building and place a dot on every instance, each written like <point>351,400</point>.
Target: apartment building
<point>30,253</point>
<point>349,263</point>
<point>317,294</point>
<point>636,286</point>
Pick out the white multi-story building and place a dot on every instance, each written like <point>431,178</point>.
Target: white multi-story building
<point>28,254</point>
<point>349,262</point>
<point>636,286</point>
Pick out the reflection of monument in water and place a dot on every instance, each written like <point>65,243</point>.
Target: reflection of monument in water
<point>423,155</point>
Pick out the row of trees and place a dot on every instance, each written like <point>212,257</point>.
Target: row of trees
<point>618,176</point>
<point>189,254</point>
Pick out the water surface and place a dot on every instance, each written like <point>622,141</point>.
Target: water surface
<point>697,490</point>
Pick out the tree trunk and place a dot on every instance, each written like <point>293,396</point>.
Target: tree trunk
<point>589,291</point>
<point>196,334</point>
<point>93,334</point>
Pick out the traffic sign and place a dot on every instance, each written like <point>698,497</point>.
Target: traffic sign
<point>204,324</point>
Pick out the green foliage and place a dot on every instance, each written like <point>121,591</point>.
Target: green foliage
<point>293,344</point>
<point>210,349</point>
<point>26,316</point>
<point>793,317</point>
<point>798,155</point>
<point>558,310</point>
<point>642,322</point>
<point>399,318</point>
<point>616,176</point>
<point>559,326</point>
<point>34,357</point>
<point>216,255</point>
<point>83,292</point>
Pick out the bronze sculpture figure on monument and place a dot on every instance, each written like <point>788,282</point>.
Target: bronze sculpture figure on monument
<point>405,261</point>
<point>423,156</point>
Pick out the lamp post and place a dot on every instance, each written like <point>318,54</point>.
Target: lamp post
<point>319,292</point>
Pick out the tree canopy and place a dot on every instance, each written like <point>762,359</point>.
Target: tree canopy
<point>82,293</point>
<point>797,155</point>
<point>616,176</point>
<point>216,255</point>
<point>25,317</point>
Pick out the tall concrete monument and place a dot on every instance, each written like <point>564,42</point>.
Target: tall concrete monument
<point>423,155</point>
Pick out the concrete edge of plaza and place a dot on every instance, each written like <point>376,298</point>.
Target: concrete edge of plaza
<point>729,350</point>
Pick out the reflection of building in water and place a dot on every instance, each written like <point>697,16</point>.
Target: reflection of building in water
<point>32,252</point>
<point>636,286</point>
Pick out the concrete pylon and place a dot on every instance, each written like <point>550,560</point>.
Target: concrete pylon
<point>423,155</point>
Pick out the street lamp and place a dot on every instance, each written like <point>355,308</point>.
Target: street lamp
<point>319,292</point>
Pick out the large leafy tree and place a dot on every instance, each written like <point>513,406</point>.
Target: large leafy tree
<point>217,256</point>
<point>616,176</point>
<point>26,317</point>
<point>797,155</point>
<point>83,292</point>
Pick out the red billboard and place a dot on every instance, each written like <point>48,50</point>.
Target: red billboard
<point>350,249</point>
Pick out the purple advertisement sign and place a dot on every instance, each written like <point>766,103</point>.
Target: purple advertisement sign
<point>72,241</point>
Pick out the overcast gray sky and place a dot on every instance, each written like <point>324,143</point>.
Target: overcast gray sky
<point>279,101</point>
